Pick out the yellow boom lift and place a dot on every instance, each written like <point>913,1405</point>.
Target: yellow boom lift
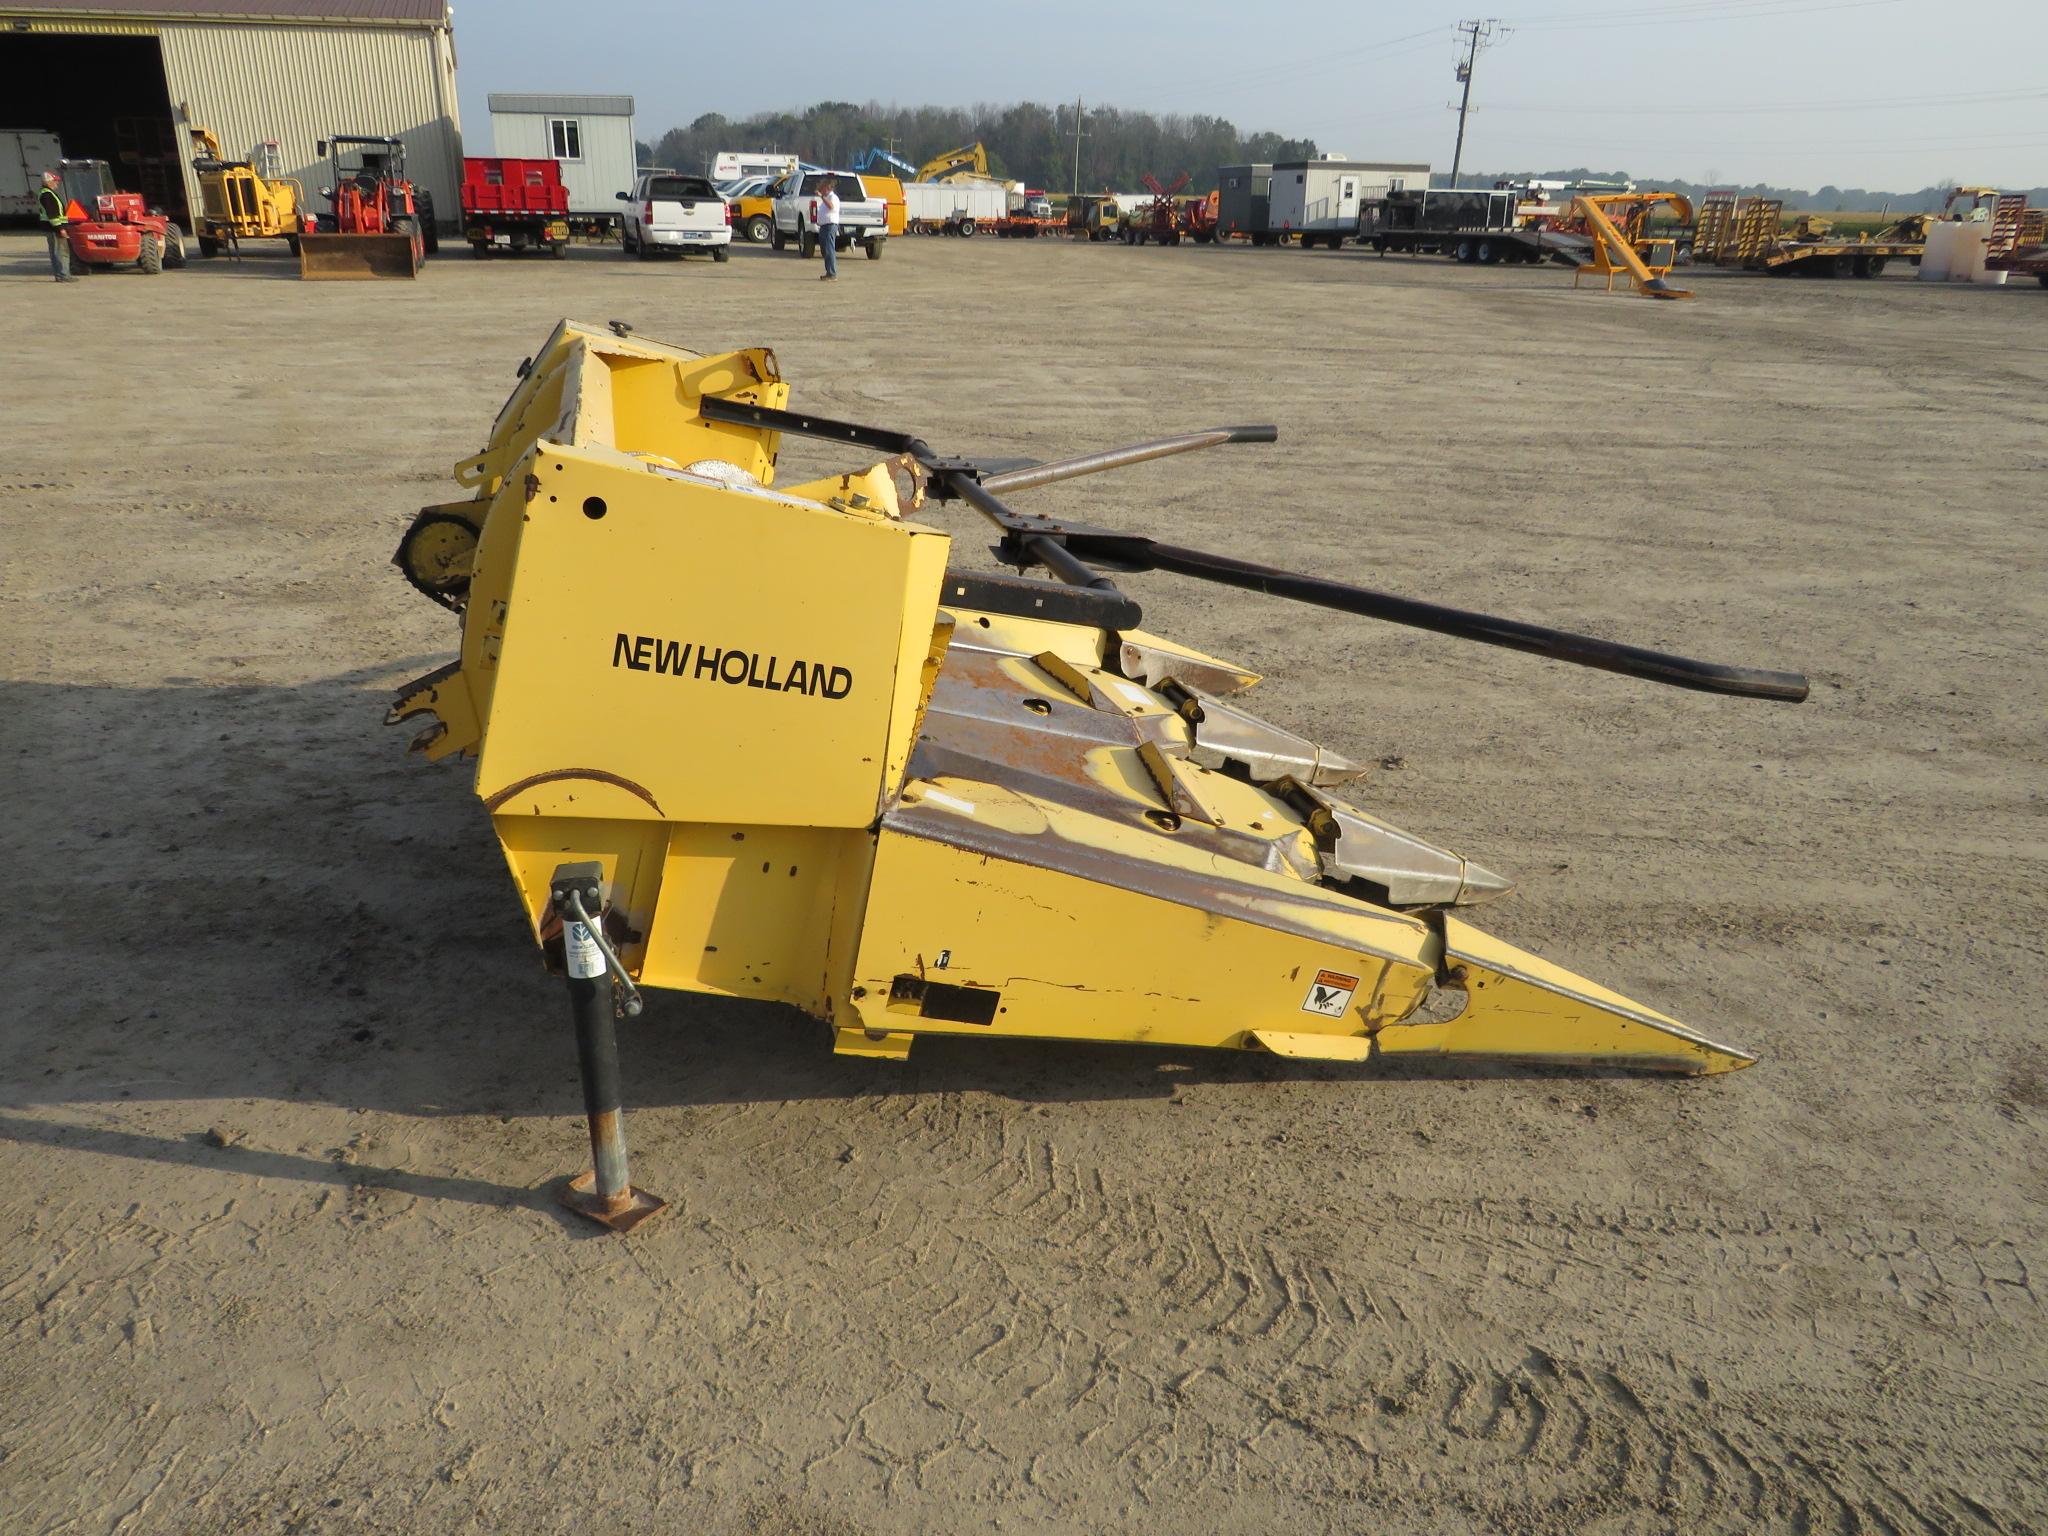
<point>761,741</point>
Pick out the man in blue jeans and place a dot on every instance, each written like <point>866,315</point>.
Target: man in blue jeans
<point>51,209</point>
<point>825,216</point>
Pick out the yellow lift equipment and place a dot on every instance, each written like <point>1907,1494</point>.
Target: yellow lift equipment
<point>762,741</point>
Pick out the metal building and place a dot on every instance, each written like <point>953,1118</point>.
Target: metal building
<point>592,136</point>
<point>126,82</point>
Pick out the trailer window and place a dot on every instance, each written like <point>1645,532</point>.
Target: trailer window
<point>566,135</point>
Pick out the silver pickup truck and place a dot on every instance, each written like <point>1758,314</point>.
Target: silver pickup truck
<point>863,220</point>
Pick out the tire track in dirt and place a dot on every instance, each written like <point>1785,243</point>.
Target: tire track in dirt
<point>1173,1325</point>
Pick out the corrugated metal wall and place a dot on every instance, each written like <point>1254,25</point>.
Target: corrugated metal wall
<point>299,84</point>
<point>609,154</point>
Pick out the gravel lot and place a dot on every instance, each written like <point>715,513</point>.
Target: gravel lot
<point>285,1095</point>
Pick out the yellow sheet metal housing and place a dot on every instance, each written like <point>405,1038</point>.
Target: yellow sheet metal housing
<point>811,780</point>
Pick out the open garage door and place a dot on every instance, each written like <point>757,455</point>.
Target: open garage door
<point>106,99</point>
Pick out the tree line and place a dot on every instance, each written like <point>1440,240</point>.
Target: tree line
<point>1026,141</point>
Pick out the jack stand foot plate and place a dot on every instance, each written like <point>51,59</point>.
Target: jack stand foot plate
<point>580,1196</point>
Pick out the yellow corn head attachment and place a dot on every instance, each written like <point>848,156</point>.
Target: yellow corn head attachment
<point>760,740</point>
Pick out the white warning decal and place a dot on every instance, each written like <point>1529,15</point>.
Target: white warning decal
<point>1329,994</point>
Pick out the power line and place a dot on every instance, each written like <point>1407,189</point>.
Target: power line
<point>1748,109</point>
<point>1677,16</point>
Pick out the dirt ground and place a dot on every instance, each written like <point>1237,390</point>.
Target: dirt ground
<point>286,1096</point>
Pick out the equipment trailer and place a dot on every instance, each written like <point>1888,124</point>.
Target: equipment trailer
<point>1465,224</point>
<point>1749,233</point>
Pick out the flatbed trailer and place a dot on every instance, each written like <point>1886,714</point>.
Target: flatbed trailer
<point>1466,224</point>
<point>1749,233</point>
<point>2020,239</point>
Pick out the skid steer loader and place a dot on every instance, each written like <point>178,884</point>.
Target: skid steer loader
<point>763,741</point>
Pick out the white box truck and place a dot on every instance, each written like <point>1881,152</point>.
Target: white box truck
<point>25,153</point>
<point>962,208</point>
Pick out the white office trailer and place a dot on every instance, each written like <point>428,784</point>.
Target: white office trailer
<point>592,137</point>
<point>1318,199</point>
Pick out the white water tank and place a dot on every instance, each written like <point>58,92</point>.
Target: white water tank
<point>1939,254</point>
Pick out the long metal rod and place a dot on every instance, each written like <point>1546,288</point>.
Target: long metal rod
<point>1538,640</point>
<point>1116,458</point>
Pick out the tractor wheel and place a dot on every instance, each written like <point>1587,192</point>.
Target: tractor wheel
<point>874,248</point>
<point>174,246</point>
<point>291,243</point>
<point>152,258</point>
<point>721,253</point>
<point>208,246</point>
<point>411,231</point>
<point>430,232</point>
<point>759,227</point>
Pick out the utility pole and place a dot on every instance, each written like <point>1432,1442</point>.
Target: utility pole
<point>1477,34</point>
<point>1075,190</point>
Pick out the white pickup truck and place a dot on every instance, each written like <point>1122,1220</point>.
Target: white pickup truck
<point>863,220</point>
<point>669,213</point>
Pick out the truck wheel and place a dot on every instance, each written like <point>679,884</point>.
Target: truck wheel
<point>775,239</point>
<point>721,253</point>
<point>969,229</point>
<point>759,228</point>
<point>479,249</point>
<point>151,260</point>
<point>1877,265</point>
<point>174,249</point>
<point>1464,251</point>
<point>806,242</point>
<point>1483,253</point>
<point>874,250</point>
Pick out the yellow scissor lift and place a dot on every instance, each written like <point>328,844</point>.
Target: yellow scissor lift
<point>762,741</point>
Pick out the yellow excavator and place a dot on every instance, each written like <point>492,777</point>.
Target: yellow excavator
<point>245,199</point>
<point>763,741</point>
<point>1618,223</point>
<point>970,161</point>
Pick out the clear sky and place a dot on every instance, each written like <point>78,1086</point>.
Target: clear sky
<point>1892,94</point>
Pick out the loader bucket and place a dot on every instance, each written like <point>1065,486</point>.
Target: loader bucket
<point>357,256</point>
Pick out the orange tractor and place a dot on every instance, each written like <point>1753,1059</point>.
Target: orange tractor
<point>114,229</point>
<point>378,223</point>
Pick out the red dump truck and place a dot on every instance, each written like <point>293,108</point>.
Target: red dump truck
<point>515,205</point>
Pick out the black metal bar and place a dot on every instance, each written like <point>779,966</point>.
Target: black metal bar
<point>1557,644</point>
<point>739,413</point>
<point>1027,598</point>
<point>605,1194</point>
<point>1033,476</point>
